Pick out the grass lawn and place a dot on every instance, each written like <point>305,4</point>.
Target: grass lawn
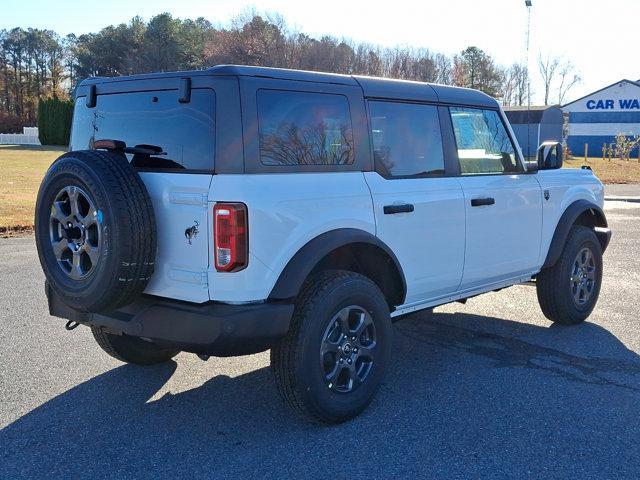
<point>21,171</point>
<point>614,171</point>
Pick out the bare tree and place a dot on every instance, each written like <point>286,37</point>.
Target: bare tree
<point>568,79</point>
<point>548,67</point>
<point>514,86</point>
<point>443,69</point>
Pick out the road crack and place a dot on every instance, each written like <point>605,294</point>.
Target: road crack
<point>511,352</point>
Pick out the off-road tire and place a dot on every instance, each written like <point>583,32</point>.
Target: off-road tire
<point>295,359</point>
<point>553,284</point>
<point>131,349</point>
<point>125,220</point>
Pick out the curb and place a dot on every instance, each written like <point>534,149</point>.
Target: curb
<point>621,198</point>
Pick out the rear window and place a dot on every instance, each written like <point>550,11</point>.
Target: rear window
<point>302,128</point>
<point>184,130</point>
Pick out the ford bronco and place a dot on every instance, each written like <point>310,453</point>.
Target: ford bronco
<point>239,209</point>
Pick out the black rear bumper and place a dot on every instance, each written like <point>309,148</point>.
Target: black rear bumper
<point>211,329</point>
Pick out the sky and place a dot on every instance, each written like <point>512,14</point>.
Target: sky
<point>598,37</point>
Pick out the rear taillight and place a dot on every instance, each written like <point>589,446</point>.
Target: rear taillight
<point>231,236</point>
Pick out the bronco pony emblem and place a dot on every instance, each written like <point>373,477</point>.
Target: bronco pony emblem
<point>191,232</point>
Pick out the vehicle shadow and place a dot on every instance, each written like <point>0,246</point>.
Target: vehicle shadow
<point>466,396</point>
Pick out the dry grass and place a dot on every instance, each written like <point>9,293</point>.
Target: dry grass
<point>614,171</point>
<point>21,171</point>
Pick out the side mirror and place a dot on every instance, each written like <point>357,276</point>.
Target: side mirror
<point>550,156</point>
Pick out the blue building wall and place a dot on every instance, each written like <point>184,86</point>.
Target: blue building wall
<point>576,145</point>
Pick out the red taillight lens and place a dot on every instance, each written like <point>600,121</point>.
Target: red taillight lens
<point>231,245</point>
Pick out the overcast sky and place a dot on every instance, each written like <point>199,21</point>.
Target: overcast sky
<point>599,37</point>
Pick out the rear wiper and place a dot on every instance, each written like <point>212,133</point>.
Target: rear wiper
<point>144,156</point>
<point>121,147</point>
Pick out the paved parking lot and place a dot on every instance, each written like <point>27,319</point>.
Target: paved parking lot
<point>486,389</point>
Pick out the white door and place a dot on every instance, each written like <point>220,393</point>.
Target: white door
<point>419,212</point>
<point>503,236</point>
<point>503,204</point>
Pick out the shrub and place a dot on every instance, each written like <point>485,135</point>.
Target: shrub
<point>10,123</point>
<point>54,121</point>
<point>625,144</point>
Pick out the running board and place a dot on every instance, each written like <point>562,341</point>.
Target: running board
<point>462,294</point>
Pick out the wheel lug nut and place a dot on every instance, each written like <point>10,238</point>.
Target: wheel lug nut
<point>349,361</point>
<point>341,360</point>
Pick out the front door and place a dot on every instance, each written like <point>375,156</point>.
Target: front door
<point>503,204</point>
<point>419,211</point>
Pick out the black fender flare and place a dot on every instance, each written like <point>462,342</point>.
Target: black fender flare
<point>568,218</point>
<point>304,261</point>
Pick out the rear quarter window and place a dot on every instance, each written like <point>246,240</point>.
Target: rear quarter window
<point>186,131</point>
<point>304,128</point>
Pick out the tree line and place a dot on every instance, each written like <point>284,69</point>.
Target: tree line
<point>38,64</point>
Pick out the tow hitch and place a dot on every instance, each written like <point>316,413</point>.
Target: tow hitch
<point>71,324</point>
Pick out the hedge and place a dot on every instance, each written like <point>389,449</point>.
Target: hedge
<point>54,121</point>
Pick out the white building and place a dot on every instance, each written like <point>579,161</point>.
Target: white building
<point>595,119</point>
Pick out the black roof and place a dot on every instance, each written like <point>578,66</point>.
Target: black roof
<point>534,114</point>
<point>372,86</point>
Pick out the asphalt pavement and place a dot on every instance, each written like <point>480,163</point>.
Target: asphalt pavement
<point>489,389</point>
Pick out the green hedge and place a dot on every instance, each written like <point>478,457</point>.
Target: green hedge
<point>54,121</point>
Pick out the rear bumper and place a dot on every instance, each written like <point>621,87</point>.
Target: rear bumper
<point>211,329</point>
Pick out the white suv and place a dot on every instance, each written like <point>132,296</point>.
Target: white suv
<point>239,209</point>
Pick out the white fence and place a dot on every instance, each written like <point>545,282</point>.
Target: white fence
<point>29,136</point>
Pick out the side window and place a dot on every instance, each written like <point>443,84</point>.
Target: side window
<point>186,131</point>
<point>483,143</point>
<point>302,128</point>
<point>406,138</point>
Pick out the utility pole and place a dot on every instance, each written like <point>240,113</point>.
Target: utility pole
<point>527,4</point>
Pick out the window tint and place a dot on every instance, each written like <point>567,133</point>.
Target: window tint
<point>184,130</point>
<point>406,138</point>
<point>483,143</point>
<point>300,128</point>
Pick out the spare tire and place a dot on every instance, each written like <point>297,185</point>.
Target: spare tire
<point>95,230</point>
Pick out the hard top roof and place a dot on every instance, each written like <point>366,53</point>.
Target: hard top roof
<point>374,87</point>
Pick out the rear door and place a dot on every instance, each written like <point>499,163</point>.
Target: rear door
<point>503,204</point>
<point>419,208</point>
<point>177,181</point>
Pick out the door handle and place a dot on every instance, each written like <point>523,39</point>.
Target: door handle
<point>404,208</point>
<point>478,202</point>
